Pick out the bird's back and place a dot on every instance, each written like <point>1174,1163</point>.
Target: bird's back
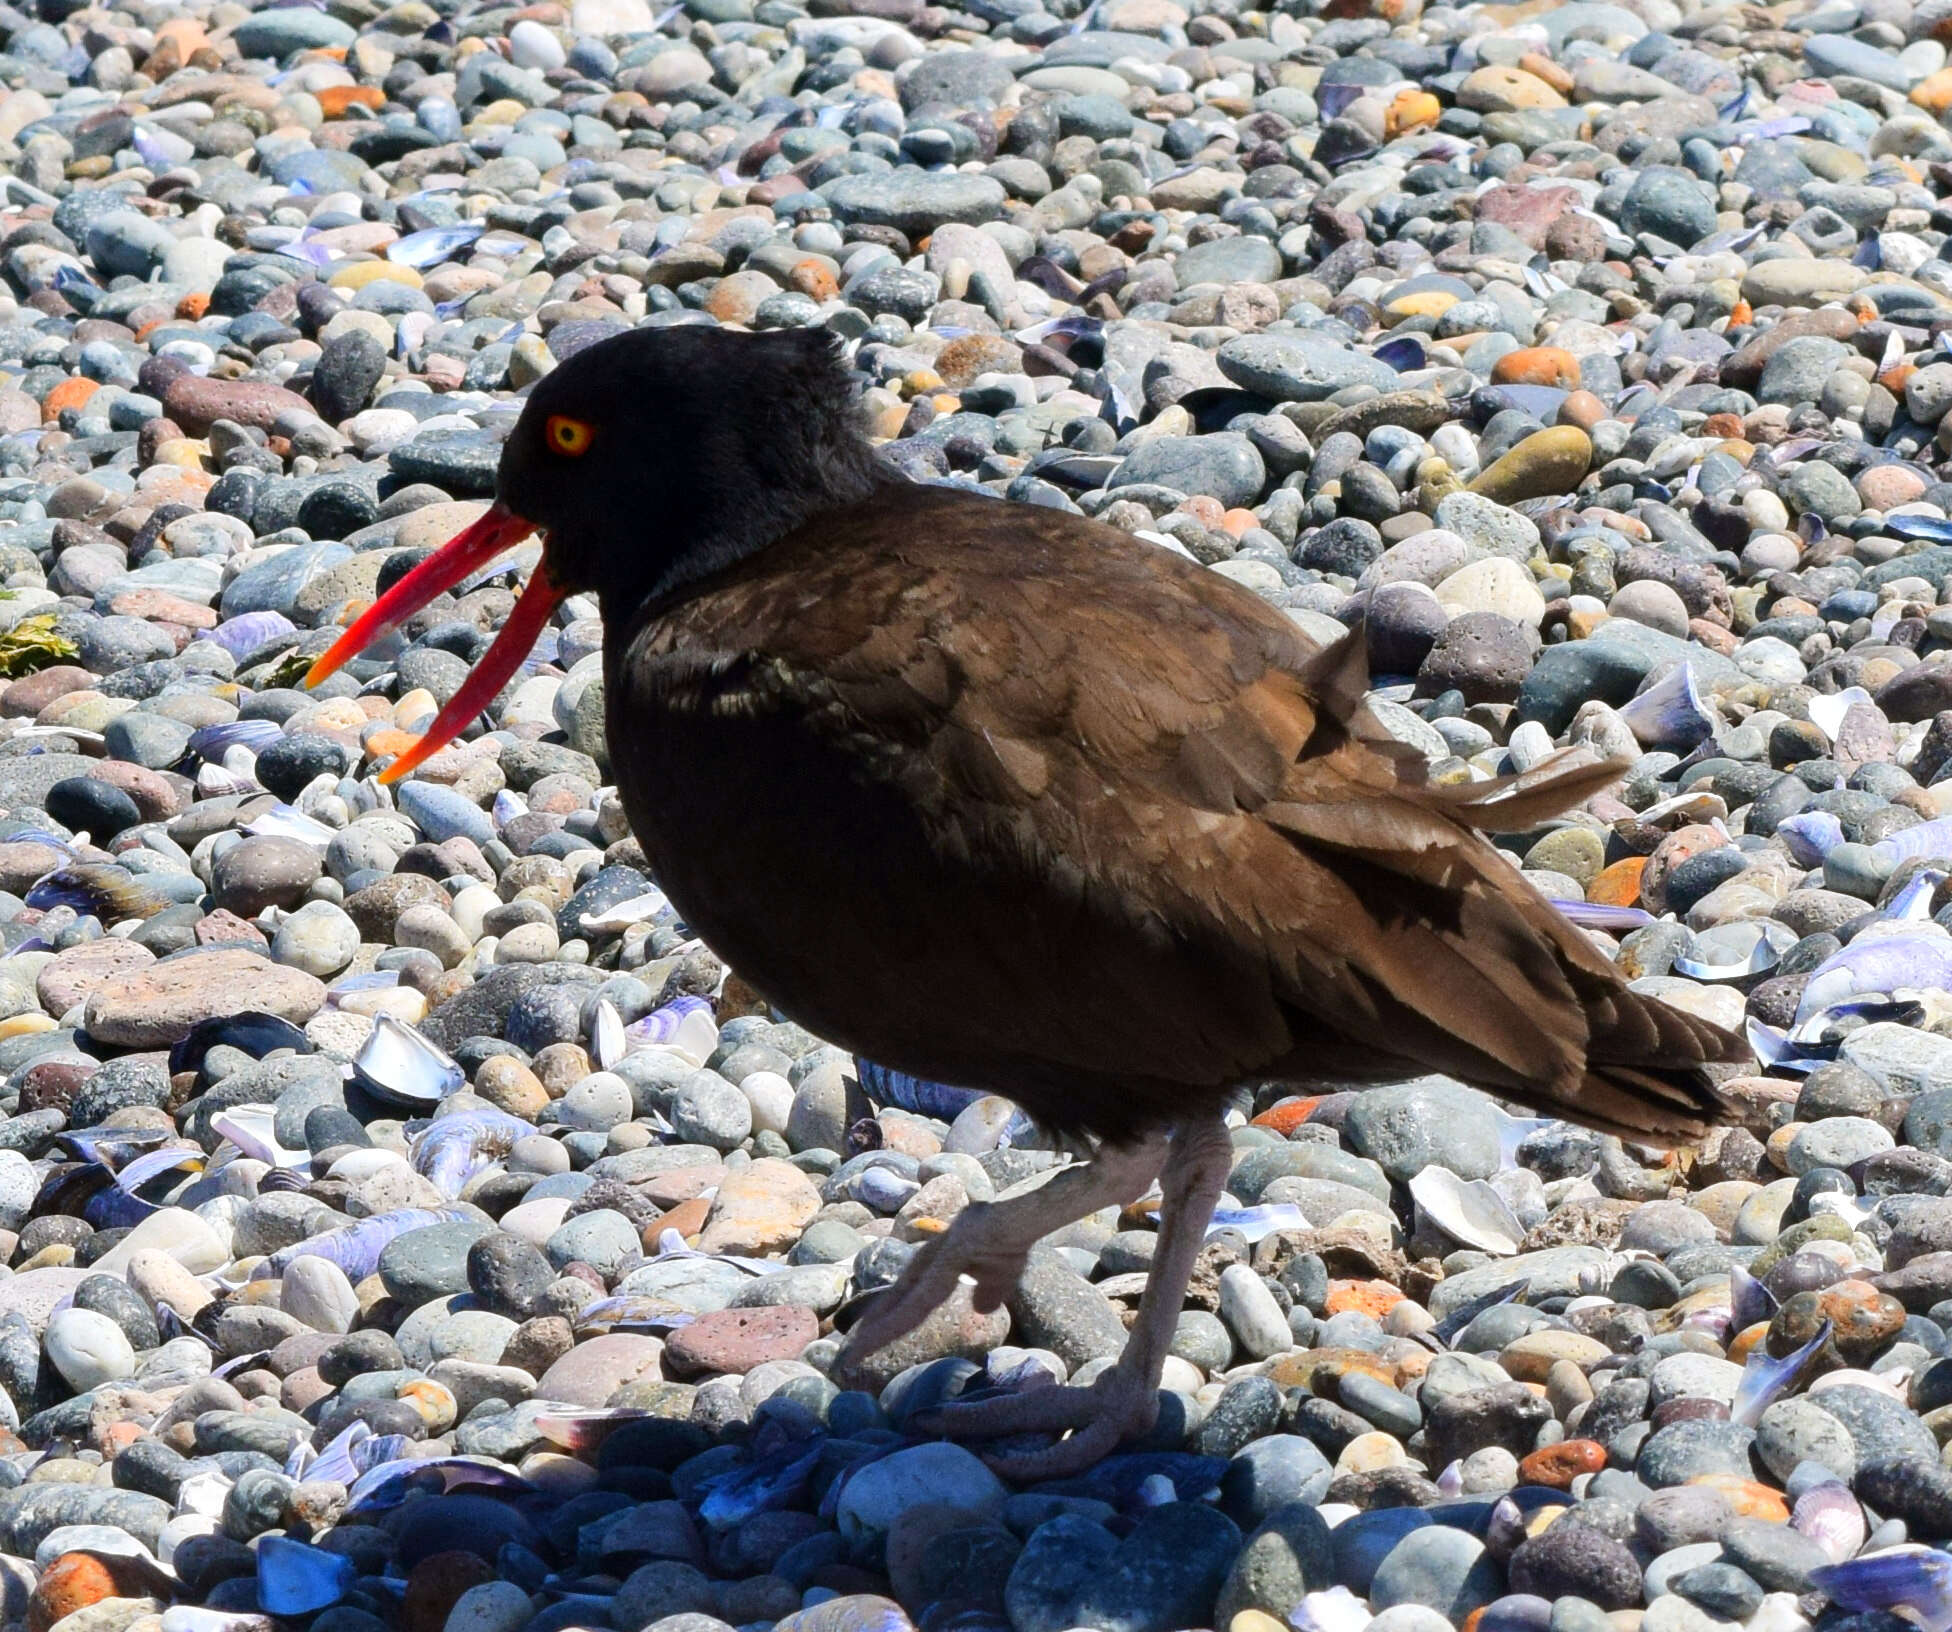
<point>1006,797</point>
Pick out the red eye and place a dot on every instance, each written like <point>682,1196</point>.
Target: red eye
<point>569,437</point>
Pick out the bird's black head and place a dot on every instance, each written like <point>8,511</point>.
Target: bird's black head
<point>648,462</point>
<point>655,458</point>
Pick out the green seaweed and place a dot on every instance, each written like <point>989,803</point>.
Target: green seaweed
<point>32,644</point>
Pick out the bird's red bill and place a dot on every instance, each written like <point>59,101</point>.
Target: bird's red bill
<point>467,552</point>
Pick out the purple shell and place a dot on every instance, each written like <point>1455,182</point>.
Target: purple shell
<point>1599,915</point>
<point>212,742</point>
<point>456,1148</point>
<point>248,631</point>
<point>356,1248</point>
<point>1811,836</point>
<point>1927,840</point>
<point>1765,1379</point>
<point>1911,1579</point>
<point>661,1025</point>
<point>432,245</point>
<point>1887,963</point>
<point>1935,528</point>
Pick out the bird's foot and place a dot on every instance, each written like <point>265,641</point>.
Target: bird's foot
<point>1101,1416</point>
<point>969,1249</point>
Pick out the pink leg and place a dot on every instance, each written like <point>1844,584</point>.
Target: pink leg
<point>1123,1401</point>
<point>989,1240</point>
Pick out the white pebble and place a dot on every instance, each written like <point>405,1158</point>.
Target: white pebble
<point>88,1349</point>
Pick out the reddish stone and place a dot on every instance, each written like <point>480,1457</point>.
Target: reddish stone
<point>156,798</point>
<point>737,1340</point>
<point>1536,365</point>
<point>76,1580</point>
<point>1618,885</point>
<point>1865,1319</point>
<point>1750,1499</point>
<point>680,1184</point>
<point>1372,1298</point>
<point>159,603</point>
<point>1526,211</point>
<point>1558,1465</point>
<point>435,1586</point>
<point>53,1084</point>
<point>27,696</point>
<point>196,403</point>
<point>687,1218</point>
<point>1287,1116</point>
<point>70,393</point>
<point>335,99</point>
<point>224,928</point>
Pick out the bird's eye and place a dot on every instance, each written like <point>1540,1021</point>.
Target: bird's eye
<point>567,436</point>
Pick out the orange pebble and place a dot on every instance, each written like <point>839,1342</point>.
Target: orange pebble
<point>1372,1298</point>
<point>1536,365</point>
<point>389,742</point>
<point>1287,1116</point>
<point>1558,1465</point>
<point>335,99</point>
<point>75,1581</point>
<point>1751,1500</point>
<point>687,1218</point>
<point>1743,1343</point>
<point>192,306</point>
<point>1470,1621</point>
<point>1410,110</point>
<point>70,393</point>
<point>1617,885</point>
<point>1740,315</point>
<point>1238,521</point>
<point>813,280</point>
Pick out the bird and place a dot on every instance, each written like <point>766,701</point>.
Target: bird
<point>1001,796</point>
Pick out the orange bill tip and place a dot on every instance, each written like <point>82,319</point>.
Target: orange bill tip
<point>518,635</point>
<point>497,530</point>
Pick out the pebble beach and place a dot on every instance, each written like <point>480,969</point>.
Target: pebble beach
<point>408,1225</point>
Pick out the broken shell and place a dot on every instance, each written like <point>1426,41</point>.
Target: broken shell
<point>1736,951</point>
<point>1670,713</point>
<point>1470,1212</point>
<point>397,1064</point>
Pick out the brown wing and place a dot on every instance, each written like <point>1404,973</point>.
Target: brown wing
<point>1164,762</point>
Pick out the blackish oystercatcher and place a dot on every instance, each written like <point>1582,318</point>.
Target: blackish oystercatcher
<point>1007,798</point>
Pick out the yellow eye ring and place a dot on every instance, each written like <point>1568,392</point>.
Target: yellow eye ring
<point>569,437</point>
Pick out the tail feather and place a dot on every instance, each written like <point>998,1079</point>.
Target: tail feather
<point>1651,1105</point>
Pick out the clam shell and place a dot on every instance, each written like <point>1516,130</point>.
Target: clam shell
<point>607,1034</point>
<point>774,1480</point>
<point>683,1027</point>
<point>1257,1223</point>
<point>1736,951</point>
<point>1827,712</point>
<point>1926,841</point>
<point>1831,1517</point>
<point>212,742</point>
<point>1765,1379</point>
<point>1915,1578</point>
<point>1468,1211</point>
<point>639,909</point>
<point>1811,835</point>
<point>1696,806</point>
<point>399,1065</point>
<point>1670,713</point>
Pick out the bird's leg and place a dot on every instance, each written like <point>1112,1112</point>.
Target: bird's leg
<point>1125,1400</point>
<point>990,1240</point>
